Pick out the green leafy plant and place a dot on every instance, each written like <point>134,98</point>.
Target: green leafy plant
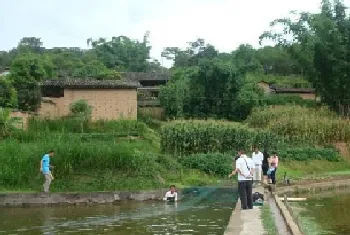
<point>189,137</point>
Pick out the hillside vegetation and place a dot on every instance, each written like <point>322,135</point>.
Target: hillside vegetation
<point>309,125</point>
<point>91,156</point>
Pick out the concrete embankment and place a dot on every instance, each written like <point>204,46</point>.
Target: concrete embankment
<point>284,207</point>
<point>314,187</point>
<point>39,199</point>
<point>61,199</point>
<point>246,222</point>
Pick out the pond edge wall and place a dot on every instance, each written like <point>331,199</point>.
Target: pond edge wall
<point>61,199</point>
<point>290,221</point>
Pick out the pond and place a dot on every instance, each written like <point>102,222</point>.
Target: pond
<point>205,212</point>
<point>325,213</point>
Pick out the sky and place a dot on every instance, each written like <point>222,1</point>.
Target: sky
<point>69,23</point>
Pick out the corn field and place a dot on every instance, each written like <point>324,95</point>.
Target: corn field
<point>298,124</point>
<point>188,137</point>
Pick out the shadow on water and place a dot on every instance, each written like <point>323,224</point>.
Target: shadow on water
<point>325,213</point>
<point>203,210</point>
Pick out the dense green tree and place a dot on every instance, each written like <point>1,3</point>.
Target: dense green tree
<point>191,56</point>
<point>30,44</point>
<point>122,53</point>
<point>8,94</point>
<point>95,69</point>
<point>27,71</point>
<point>321,42</point>
<point>5,60</point>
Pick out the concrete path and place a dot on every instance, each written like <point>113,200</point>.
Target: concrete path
<point>246,222</point>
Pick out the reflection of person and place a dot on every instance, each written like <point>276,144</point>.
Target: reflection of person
<point>258,158</point>
<point>171,195</point>
<point>245,169</point>
<point>45,169</point>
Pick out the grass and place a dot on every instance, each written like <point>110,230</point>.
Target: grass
<point>107,156</point>
<point>113,180</point>
<point>268,220</point>
<point>126,155</point>
<point>304,169</point>
<point>338,173</point>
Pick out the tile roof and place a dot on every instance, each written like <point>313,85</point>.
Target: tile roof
<point>90,84</point>
<point>293,90</point>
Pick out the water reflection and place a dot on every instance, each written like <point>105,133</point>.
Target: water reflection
<point>205,214</point>
<point>326,213</point>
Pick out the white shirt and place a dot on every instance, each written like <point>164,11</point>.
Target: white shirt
<point>242,164</point>
<point>169,194</point>
<point>258,158</point>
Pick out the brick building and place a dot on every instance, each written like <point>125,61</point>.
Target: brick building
<point>109,100</point>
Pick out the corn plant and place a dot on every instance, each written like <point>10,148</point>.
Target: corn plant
<point>300,124</point>
<point>188,137</point>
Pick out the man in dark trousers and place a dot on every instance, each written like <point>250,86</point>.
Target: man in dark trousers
<point>245,169</point>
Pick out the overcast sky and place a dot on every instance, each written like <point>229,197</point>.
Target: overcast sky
<point>223,23</point>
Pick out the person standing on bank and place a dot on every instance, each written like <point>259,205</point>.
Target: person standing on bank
<point>257,158</point>
<point>265,166</point>
<point>245,169</point>
<point>273,160</point>
<point>45,169</point>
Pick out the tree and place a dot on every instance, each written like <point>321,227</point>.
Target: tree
<point>27,71</point>
<point>321,43</point>
<point>174,98</point>
<point>8,94</point>
<point>4,60</point>
<point>7,123</point>
<point>194,52</point>
<point>207,90</point>
<point>248,97</point>
<point>245,59</point>
<point>122,53</point>
<point>276,60</point>
<point>30,44</point>
<point>95,69</point>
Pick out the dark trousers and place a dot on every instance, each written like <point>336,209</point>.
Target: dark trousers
<point>273,176</point>
<point>245,190</point>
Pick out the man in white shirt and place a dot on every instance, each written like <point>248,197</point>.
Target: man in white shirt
<point>245,169</point>
<point>257,158</point>
<point>171,195</point>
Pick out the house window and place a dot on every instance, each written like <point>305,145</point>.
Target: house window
<point>52,92</point>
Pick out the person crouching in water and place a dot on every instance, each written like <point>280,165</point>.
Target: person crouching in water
<point>245,169</point>
<point>171,195</point>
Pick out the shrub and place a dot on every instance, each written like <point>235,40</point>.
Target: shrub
<point>81,108</point>
<point>211,163</point>
<point>189,137</point>
<point>309,153</point>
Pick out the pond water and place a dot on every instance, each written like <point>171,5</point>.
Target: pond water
<point>197,213</point>
<point>325,213</point>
